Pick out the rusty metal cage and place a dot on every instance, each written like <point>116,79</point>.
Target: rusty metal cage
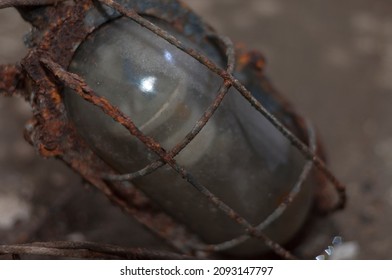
<point>59,28</point>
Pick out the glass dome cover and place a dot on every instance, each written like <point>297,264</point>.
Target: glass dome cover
<point>239,156</point>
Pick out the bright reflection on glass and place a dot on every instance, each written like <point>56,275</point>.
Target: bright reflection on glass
<point>147,84</point>
<point>168,56</point>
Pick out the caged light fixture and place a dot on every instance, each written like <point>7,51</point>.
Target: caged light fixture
<point>171,122</point>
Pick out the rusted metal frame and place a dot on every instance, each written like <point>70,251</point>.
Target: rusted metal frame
<point>229,49</point>
<point>282,206</point>
<point>77,84</point>
<point>16,3</point>
<point>87,250</point>
<point>294,140</point>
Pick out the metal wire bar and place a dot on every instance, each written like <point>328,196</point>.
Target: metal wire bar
<point>16,3</point>
<point>294,140</point>
<point>279,210</point>
<point>197,127</point>
<point>87,250</point>
<point>17,250</point>
<point>78,85</point>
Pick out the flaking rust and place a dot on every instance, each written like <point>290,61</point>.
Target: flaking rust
<point>60,27</point>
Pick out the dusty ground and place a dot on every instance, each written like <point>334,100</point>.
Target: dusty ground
<point>332,59</point>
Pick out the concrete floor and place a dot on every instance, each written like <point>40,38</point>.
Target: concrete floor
<point>332,59</point>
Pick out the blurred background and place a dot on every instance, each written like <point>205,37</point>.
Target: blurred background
<point>332,59</point>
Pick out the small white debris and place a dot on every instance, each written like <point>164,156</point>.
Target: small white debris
<point>337,240</point>
<point>320,258</point>
<point>329,251</point>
